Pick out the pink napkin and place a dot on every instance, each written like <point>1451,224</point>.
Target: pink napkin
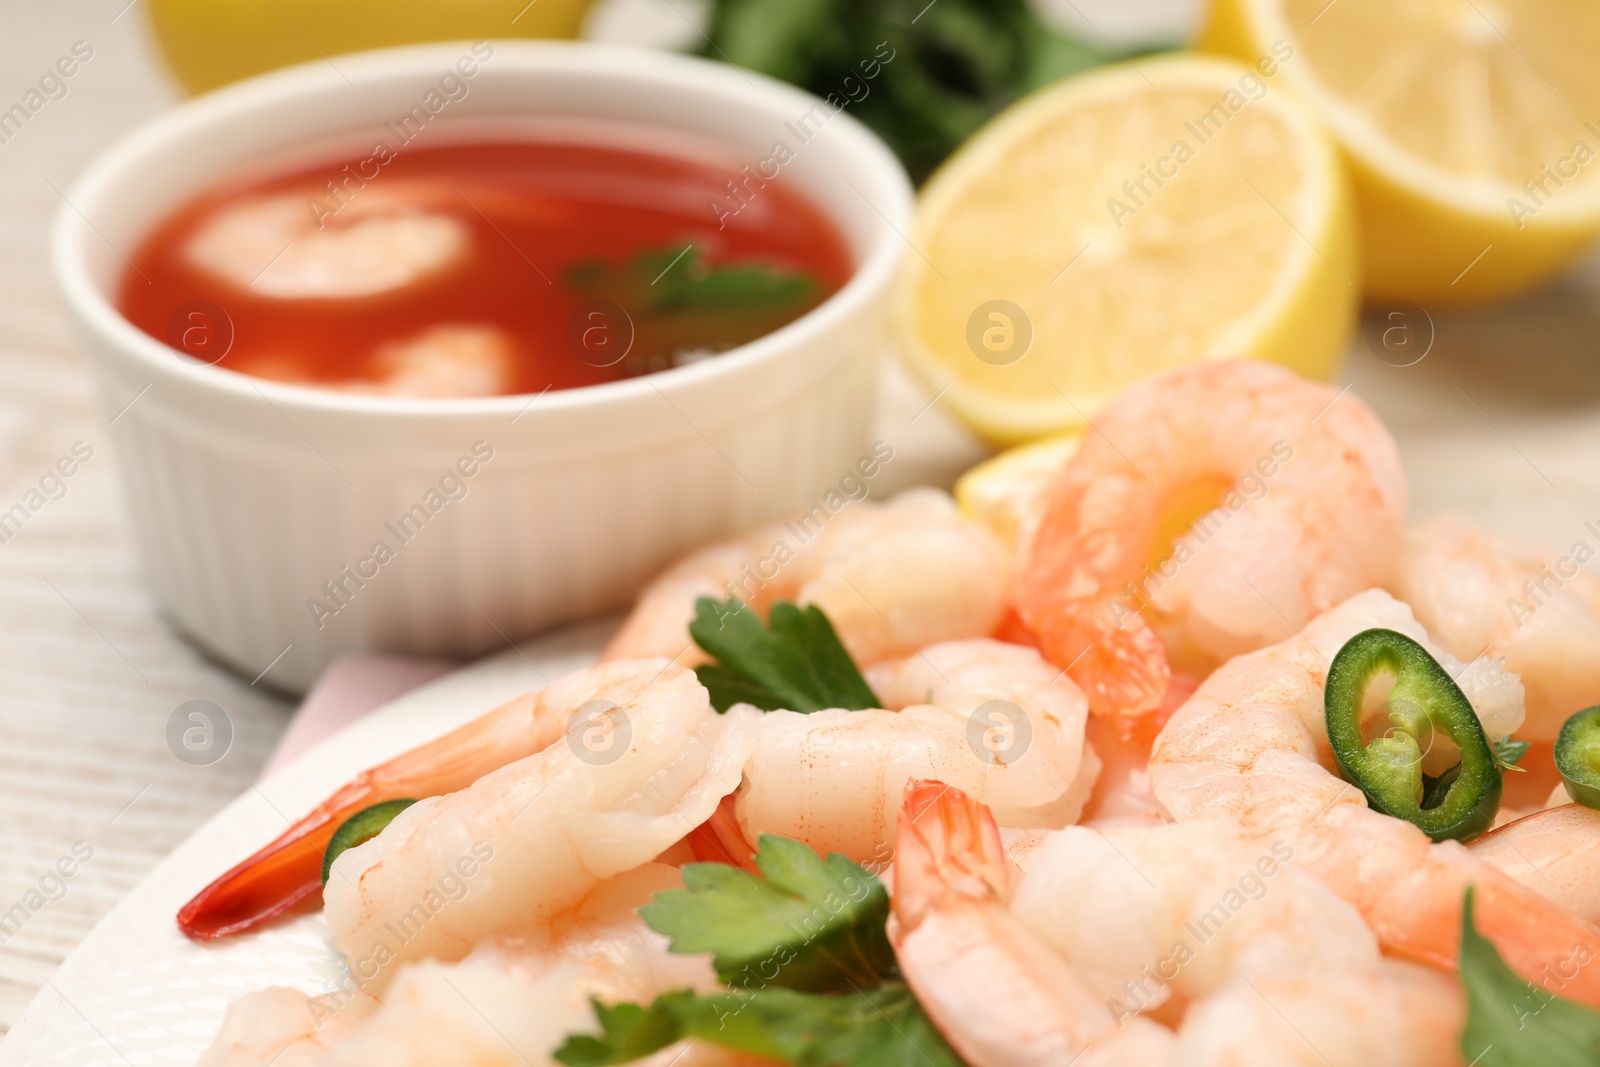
<point>351,688</point>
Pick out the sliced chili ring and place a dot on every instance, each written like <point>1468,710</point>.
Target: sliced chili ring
<point>1578,756</point>
<point>360,828</point>
<point>1458,804</point>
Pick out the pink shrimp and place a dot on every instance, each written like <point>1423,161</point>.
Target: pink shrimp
<point>1136,560</point>
<point>1251,744</point>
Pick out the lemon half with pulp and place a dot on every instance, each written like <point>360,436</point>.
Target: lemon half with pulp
<point>1123,222</point>
<point>1472,130</point>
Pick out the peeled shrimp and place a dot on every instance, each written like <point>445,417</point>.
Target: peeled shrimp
<point>891,578</point>
<point>449,360</point>
<point>1312,510</point>
<point>289,870</point>
<point>1110,932</point>
<point>993,719</point>
<point>285,1027</point>
<point>1252,744</point>
<point>518,995</point>
<point>1250,957</point>
<point>276,247</point>
<point>527,841</point>
<point>1538,612</point>
<point>514,999</point>
<point>1555,853</point>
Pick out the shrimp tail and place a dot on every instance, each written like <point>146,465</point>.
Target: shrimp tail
<point>288,872</point>
<point>720,839</point>
<point>947,841</point>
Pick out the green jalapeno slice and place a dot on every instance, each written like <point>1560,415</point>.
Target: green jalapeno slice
<point>360,828</point>
<point>1457,804</point>
<point>1578,756</point>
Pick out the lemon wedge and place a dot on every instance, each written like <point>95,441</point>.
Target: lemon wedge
<point>1006,493</point>
<point>1472,129</point>
<point>1123,222</point>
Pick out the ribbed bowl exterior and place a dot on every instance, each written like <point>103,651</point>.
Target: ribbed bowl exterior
<point>282,527</point>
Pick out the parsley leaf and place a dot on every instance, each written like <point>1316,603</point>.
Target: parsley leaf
<point>806,952</point>
<point>678,278</point>
<point>798,664</point>
<point>809,924</point>
<point>879,1027</point>
<point>1513,1023</point>
<point>628,1032</point>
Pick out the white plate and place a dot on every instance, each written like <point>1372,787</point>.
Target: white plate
<point>136,991</point>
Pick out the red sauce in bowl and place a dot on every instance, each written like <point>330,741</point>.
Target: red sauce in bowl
<point>481,268</point>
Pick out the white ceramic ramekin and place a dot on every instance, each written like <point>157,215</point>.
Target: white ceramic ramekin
<point>255,501</point>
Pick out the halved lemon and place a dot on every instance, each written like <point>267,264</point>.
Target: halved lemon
<point>1120,223</point>
<point>1472,129</point>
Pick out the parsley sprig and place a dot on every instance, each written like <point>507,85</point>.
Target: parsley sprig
<point>796,662</point>
<point>808,924</point>
<point>1511,1022</point>
<point>879,1027</point>
<point>679,278</point>
<point>805,953</point>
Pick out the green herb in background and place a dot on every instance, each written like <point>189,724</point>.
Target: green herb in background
<point>923,75</point>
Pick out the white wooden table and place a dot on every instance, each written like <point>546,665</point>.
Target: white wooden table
<point>1500,421</point>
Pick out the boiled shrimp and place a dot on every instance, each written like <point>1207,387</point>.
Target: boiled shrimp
<point>1248,956</point>
<point>285,1027</point>
<point>1251,744</point>
<point>443,361</point>
<point>448,360</point>
<point>993,719</point>
<point>1113,936</point>
<point>382,241</point>
<point>1539,612</point>
<point>1555,853</point>
<point>288,871</point>
<point>1120,579</point>
<point>525,842</point>
<point>891,578</point>
<point>512,1000</point>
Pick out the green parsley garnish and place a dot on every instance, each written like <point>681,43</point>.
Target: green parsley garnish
<point>879,1027</point>
<point>1511,1022</point>
<point>805,952</point>
<point>678,278</point>
<point>798,664</point>
<point>809,924</point>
